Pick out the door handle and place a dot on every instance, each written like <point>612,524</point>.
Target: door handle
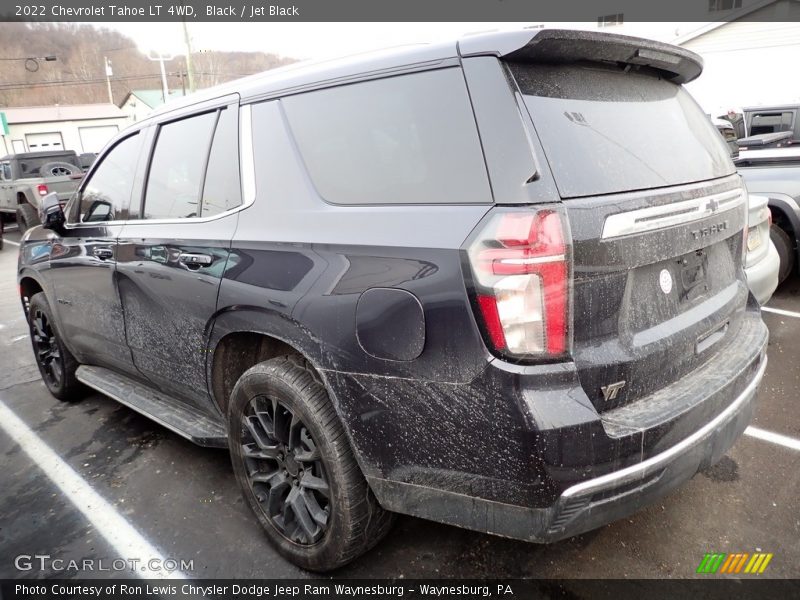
<point>195,261</point>
<point>103,253</point>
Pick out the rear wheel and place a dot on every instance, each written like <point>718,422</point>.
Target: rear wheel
<point>55,362</point>
<point>783,243</point>
<point>27,217</point>
<point>297,471</point>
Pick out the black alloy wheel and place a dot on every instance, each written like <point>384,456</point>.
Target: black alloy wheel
<point>47,349</point>
<point>291,456</point>
<point>56,364</point>
<point>285,471</point>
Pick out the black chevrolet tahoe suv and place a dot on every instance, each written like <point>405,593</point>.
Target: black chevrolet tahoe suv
<point>495,283</point>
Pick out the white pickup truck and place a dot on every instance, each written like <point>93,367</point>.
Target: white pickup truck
<point>26,178</point>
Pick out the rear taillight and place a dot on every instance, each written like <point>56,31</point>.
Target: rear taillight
<point>41,189</point>
<point>520,271</point>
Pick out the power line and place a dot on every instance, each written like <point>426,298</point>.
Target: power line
<point>58,83</point>
<point>19,86</point>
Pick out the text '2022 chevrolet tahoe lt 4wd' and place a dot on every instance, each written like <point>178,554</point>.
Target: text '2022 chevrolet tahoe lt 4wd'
<point>495,283</point>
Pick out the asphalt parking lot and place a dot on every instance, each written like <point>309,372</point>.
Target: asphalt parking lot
<point>159,489</point>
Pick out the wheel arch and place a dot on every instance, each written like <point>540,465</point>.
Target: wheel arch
<point>29,285</point>
<point>242,337</point>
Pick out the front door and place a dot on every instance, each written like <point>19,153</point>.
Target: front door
<point>83,260</point>
<point>172,258</point>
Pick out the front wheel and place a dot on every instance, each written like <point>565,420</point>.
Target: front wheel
<point>55,362</point>
<point>296,468</point>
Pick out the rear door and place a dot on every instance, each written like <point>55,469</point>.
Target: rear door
<point>174,251</point>
<point>656,214</point>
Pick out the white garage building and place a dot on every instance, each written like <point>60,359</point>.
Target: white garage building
<point>82,128</point>
<point>751,60</point>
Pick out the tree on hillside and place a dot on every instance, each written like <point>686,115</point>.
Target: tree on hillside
<point>79,77</point>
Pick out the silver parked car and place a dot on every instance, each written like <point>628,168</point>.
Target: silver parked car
<point>761,263</point>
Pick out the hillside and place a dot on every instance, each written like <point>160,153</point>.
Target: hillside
<point>78,74</point>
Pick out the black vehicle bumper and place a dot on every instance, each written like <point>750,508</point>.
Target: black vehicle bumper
<point>597,501</point>
<point>620,470</point>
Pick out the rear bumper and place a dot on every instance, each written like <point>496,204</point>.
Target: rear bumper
<point>762,277</point>
<point>585,469</point>
<point>592,503</point>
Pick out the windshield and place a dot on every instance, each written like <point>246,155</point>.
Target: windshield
<point>605,130</point>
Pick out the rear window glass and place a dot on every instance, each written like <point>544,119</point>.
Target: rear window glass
<point>771,122</point>
<point>32,167</point>
<point>604,130</point>
<point>409,139</point>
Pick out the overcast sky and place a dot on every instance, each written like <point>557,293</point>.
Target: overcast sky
<point>330,40</point>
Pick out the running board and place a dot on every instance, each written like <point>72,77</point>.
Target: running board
<point>175,416</point>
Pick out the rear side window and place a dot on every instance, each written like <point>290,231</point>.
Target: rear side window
<point>222,189</point>
<point>177,167</point>
<point>604,130</point>
<point>409,139</point>
<point>106,194</point>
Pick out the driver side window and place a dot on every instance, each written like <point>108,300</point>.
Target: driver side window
<point>5,171</point>
<point>106,195</point>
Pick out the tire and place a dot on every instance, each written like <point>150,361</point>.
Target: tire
<point>59,169</point>
<point>27,217</point>
<point>2,227</point>
<point>56,364</point>
<point>320,486</point>
<point>783,243</point>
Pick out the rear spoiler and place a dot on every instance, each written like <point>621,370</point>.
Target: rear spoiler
<point>559,46</point>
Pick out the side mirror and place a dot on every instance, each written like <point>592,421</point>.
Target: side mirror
<point>51,213</point>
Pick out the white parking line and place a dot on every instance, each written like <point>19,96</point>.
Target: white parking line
<point>119,533</point>
<point>10,242</point>
<point>775,438</point>
<point>780,311</point>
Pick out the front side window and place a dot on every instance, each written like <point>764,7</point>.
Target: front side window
<point>106,195</point>
<point>177,168</point>
<point>409,139</point>
<point>5,171</point>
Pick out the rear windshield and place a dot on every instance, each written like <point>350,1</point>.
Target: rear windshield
<point>32,167</point>
<point>605,130</point>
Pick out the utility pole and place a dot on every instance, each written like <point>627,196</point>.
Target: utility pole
<point>189,68</point>
<point>109,73</point>
<point>161,60</point>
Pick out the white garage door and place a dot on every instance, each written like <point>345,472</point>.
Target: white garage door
<point>38,142</point>
<point>94,138</point>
